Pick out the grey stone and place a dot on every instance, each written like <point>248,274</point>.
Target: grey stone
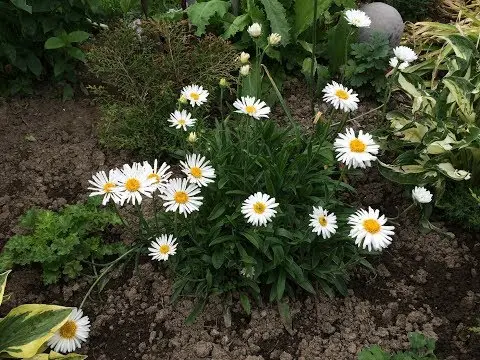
<point>385,19</point>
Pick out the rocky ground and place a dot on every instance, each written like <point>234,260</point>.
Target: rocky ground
<point>422,282</point>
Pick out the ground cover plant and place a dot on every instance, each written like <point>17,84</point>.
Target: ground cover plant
<point>62,243</point>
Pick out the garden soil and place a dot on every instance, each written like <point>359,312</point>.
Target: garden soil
<point>426,283</point>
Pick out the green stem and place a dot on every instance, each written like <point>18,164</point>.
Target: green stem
<point>344,122</point>
<point>347,43</point>
<point>221,101</point>
<point>388,91</point>
<point>155,210</point>
<point>314,57</point>
<point>106,270</point>
<point>115,207</point>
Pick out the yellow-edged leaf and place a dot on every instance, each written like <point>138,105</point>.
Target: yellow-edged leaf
<point>56,356</point>
<point>27,327</point>
<point>3,283</point>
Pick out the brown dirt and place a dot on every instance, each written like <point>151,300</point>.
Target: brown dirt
<point>423,282</point>
<point>49,150</point>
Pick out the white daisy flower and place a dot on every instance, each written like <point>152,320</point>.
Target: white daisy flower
<point>274,39</point>
<point>255,30</point>
<point>369,229</point>
<point>181,119</point>
<point>404,53</point>
<point>163,247</point>
<point>259,209</point>
<point>251,106</point>
<point>198,170</point>
<point>158,176</point>
<point>71,335</point>
<point>356,151</point>
<point>323,223</point>
<point>421,195</point>
<point>394,62</point>
<point>180,196</point>
<point>106,186</point>
<point>134,182</point>
<point>357,18</point>
<point>197,95</point>
<point>244,57</point>
<point>340,97</point>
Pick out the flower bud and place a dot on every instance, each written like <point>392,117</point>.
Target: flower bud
<point>274,39</point>
<point>255,30</point>
<point>244,57</point>
<point>192,137</point>
<point>245,70</point>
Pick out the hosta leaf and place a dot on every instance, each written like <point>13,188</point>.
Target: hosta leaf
<point>200,13</point>
<point>54,43</point>
<point>277,16</point>
<point>461,91</point>
<point>56,356</point>
<point>22,4</point>
<point>3,283</point>
<point>78,36</point>
<point>27,327</point>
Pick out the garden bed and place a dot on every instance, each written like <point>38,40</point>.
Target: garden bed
<point>423,282</point>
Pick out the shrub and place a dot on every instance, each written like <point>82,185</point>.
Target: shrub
<point>28,49</point>
<point>144,74</point>
<point>61,242</point>
<point>421,348</point>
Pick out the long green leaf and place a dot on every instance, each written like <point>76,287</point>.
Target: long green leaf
<point>277,16</point>
<point>3,283</point>
<point>304,13</point>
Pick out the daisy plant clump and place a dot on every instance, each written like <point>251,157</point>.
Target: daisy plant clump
<point>255,206</point>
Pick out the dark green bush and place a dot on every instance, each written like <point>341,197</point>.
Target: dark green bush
<point>413,11</point>
<point>143,76</point>
<point>24,30</point>
<point>61,241</point>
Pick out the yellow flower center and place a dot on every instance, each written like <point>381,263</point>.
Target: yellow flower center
<point>322,220</point>
<point>372,226</point>
<point>180,197</point>
<point>342,94</point>
<point>164,249</point>
<point>250,109</point>
<point>68,330</point>
<point>357,146</point>
<point>108,187</point>
<point>196,172</point>
<point>181,121</point>
<point>259,207</point>
<point>194,96</point>
<point>156,178</point>
<point>132,185</point>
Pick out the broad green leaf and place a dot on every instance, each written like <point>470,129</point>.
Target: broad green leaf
<point>462,45</point>
<point>200,13</point>
<point>78,36</point>
<point>27,327</point>
<point>22,4</point>
<point>285,316</point>
<point>304,13</point>
<point>373,353</point>
<point>76,53</point>
<point>245,303</point>
<point>452,173</point>
<point>337,38</point>
<point>34,64</point>
<point>3,283</point>
<point>218,257</point>
<point>54,43</point>
<point>280,284</point>
<point>239,24</point>
<point>277,16</point>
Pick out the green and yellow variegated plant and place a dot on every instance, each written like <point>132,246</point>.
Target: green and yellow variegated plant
<point>26,328</point>
<point>440,139</point>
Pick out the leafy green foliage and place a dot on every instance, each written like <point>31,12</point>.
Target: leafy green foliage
<point>440,140</point>
<point>421,348</point>
<point>61,241</point>
<point>366,68</point>
<point>41,40</point>
<point>136,109</point>
<point>277,16</point>
<point>221,252</point>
